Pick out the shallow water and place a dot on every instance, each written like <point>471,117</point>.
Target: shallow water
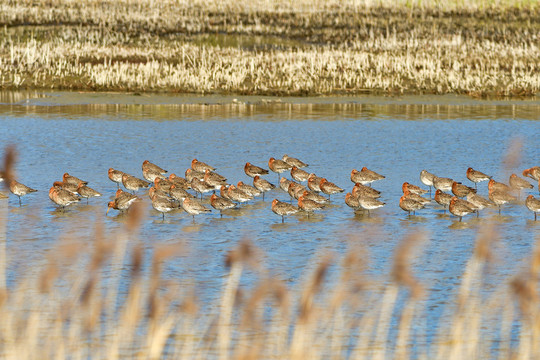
<point>398,137</point>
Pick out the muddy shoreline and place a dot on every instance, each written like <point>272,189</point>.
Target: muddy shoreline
<point>173,107</point>
<point>70,98</point>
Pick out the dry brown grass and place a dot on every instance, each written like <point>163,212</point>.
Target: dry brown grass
<point>272,48</point>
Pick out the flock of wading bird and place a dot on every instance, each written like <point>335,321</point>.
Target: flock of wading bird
<point>170,193</point>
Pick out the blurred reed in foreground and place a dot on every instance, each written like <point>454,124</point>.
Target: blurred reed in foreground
<point>108,299</point>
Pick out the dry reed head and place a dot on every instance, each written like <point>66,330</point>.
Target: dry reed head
<point>312,288</point>
<point>190,304</point>
<point>87,291</point>
<point>267,289</point>
<point>135,216</point>
<point>535,259</point>
<point>156,304</point>
<point>352,278</point>
<point>281,295</point>
<point>102,247</point>
<point>244,253</point>
<point>69,250</point>
<point>47,278</point>
<point>250,318</point>
<point>253,352</point>
<point>166,251</point>
<point>401,270</point>
<point>354,264</point>
<point>483,247</point>
<point>156,307</point>
<point>239,297</point>
<point>524,290</point>
<point>89,297</point>
<point>8,170</point>
<point>162,253</point>
<point>136,261</point>
<point>64,255</point>
<point>3,297</point>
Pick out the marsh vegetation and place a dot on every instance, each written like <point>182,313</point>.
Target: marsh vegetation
<point>272,48</point>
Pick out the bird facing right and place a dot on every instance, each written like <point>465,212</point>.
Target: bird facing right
<point>533,204</point>
<point>19,189</point>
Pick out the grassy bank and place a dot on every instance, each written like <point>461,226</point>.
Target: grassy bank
<point>272,48</point>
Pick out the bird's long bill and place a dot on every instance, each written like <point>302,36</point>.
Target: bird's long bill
<point>108,208</point>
